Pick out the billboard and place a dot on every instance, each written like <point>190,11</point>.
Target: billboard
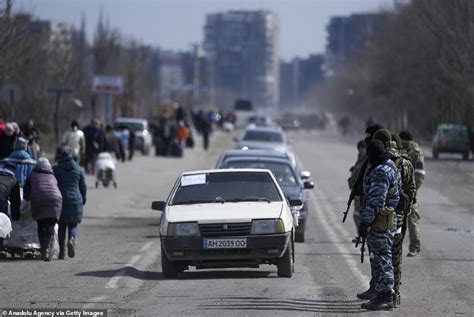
<point>102,84</point>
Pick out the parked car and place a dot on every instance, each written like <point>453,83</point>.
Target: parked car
<point>143,138</point>
<point>226,218</point>
<point>451,138</point>
<point>264,138</point>
<point>256,153</point>
<point>288,179</point>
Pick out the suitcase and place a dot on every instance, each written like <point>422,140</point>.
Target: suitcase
<point>176,150</point>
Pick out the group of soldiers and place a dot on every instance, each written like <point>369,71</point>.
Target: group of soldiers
<point>384,183</point>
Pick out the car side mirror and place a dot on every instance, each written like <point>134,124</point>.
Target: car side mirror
<point>308,185</point>
<point>305,174</point>
<point>158,205</point>
<point>294,202</point>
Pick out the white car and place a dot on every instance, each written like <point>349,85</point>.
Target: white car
<point>226,218</point>
<point>143,138</point>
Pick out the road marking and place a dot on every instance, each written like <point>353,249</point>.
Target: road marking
<point>146,247</point>
<point>113,282</point>
<point>324,211</point>
<point>93,301</point>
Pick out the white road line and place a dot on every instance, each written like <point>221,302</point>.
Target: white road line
<point>146,247</point>
<point>93,301</point>
<point>323,211</point>
<point>113,282</point>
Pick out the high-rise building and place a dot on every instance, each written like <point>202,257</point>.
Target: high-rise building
<point>297,77</point>
<point>243,50</point>
<point>347,35</point>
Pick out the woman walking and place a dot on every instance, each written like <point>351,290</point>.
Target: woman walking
<point>41,188</point>
<point>73,189</point>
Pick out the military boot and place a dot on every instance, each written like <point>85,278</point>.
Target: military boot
<point>368,294</point>
<point>383,301</point>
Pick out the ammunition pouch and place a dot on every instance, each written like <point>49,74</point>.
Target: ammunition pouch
<point>384,219</point>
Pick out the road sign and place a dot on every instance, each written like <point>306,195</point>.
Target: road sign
<point>107,85</point>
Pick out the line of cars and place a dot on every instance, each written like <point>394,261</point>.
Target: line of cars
<point>247,211</point>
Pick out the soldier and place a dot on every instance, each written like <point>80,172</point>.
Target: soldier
<point>361,157</point>
<point>415,154</point>
<point>378,221</point>
<point>407,195</point>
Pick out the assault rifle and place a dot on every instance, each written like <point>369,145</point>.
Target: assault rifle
<point>362,248</point>
<point>354,189</point>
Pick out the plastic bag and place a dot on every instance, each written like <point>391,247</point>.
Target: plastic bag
<point>24,235</point>
<point>5,225</point>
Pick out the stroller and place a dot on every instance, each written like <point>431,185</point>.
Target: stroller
<point>105,170</point>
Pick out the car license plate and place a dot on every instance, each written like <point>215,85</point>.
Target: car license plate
<point>224,243</point>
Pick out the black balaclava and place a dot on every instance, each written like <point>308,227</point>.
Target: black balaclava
<point>371,129</point>
<point>376,153</point>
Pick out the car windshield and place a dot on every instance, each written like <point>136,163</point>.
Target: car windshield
<point>454,133</point>
<point>263,136</point>
<point>226,187</point>
<point>137,127</point>
<point>283,172</point>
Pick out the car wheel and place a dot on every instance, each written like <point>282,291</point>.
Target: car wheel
<point>435,154</point>
<point>168,268</point>
<point>465,155</point>
<point>286,263</point>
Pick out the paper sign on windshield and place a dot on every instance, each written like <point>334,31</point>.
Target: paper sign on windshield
<point>189,180</point>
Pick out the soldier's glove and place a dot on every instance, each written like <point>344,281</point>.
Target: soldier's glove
<point>363,230</point>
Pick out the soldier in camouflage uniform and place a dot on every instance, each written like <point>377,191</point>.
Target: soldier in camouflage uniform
<point>355,170</point>
<point>378,221</point>
<point>415,154</point>
<point>407,197</point>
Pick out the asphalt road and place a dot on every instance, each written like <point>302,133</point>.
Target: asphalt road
<point>117,263</point>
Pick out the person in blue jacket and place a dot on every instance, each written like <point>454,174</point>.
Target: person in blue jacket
<point>22,160</point>
<point>378,221</point>
<point>73,189</point>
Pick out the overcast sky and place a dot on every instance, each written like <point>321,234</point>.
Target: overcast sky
<point>175,24</point>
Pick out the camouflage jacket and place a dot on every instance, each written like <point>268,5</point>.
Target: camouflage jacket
<point>417,159</point>
<point>405,167</point>
<point>377,184</point>
<point>355,170</point>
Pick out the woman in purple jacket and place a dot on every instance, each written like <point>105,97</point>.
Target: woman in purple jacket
<point>41,188</point>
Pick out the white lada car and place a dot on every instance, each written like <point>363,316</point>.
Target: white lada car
<point>226,218</point>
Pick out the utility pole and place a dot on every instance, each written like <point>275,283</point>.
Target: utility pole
<point>58,92</point>
<point>196,74</point>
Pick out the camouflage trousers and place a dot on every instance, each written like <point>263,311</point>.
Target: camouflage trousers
<point>413,230</point>
<point>397,255</point>
<point>380,248</point>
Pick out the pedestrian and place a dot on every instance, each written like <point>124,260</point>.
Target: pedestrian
<point>131,143</point>
<point>113,144</point>
<point>206,129</point>
<point>95,141</point>
<point>355,170</point>
<point>7,139</point>
<point>182,134</point>
<point>378,221</point>
<point>41,188</point>
<point>9,193</point>
<point>23,160</point>
<point>417,159</point>
<point>72,185</point>
<point>31,133</point>
<point>74,138</point>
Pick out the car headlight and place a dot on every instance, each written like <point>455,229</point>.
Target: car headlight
<point>267,226</point>
<point>183,229</point>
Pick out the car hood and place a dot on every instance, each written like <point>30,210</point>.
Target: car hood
<point>227,212</point>
<point>263,145</point>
